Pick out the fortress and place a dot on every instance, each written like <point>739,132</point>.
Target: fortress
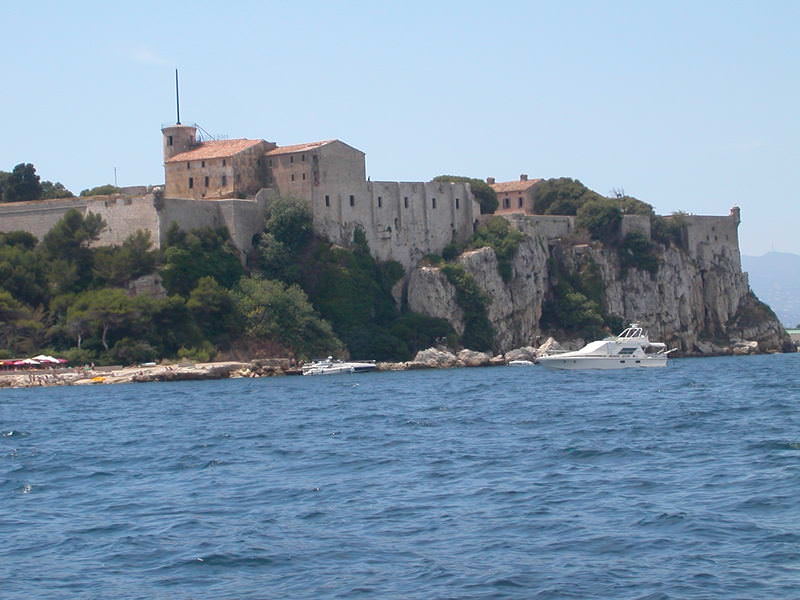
<point>231,182</point>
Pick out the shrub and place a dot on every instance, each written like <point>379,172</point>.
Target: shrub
<point>638,252</point>
<point>498,234</point>
<point>602,219</point>
<point>478,330</point>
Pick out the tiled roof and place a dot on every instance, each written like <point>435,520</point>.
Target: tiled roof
<point>507,187</point>
<point>215,149</point>
<point>298,148</point>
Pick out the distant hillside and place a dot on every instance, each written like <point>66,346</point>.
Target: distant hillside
<point>775,279</point>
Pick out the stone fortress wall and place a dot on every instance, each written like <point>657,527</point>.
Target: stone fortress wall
<point>403,221</point>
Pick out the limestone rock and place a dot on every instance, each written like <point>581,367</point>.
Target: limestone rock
<point>436,359</point>
<point>473,358</point>
<point>524,353</point>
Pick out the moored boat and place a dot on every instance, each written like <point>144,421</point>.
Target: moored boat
<point>331,366</point>
<point>630,349</point>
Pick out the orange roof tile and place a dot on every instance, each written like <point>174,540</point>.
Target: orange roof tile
<point>507,187</point>
<point>215,149</point>
<point>298,147</point>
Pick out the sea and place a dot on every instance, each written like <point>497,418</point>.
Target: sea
<point>501,482</point>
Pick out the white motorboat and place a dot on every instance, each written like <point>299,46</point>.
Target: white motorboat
<point>331,366</point>
<point>520,363</point>
<point>630,349</point>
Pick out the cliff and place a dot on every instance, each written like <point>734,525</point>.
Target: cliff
<point>697,300</point>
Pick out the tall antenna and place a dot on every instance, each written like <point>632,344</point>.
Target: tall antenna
<point>177,98</point>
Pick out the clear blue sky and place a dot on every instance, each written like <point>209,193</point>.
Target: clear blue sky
<point>687,105</point>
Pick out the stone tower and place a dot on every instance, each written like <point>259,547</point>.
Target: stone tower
<point>178,138</point>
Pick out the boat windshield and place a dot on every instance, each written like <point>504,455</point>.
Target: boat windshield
<point>631,332</point>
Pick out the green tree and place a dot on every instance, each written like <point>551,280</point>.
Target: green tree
<point>602,218</point>
<point>55,190</point>
<point>202,252</point>
<point>66,246</point>
<point>483,192</point>
<point>273,310</point>
<point>289,221</point>
<point>561,196</point>
<point>478,330</point>
<point>19,324</point>
<point>100,190</point>
<point>117,265</point>
<point>104,311</point>
<point>22,184</point>
<point>24,274</point>
<point>214,310</point>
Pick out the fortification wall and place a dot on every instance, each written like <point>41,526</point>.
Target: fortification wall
<point>708,237</point>
<point>39,216</point>
<point>124,215</point>
<point>188,214</point>
<point>545,226</point>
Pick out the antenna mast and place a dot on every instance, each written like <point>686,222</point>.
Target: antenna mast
<point>177,98</point>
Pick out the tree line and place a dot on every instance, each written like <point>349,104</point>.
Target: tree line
<point>23,184</point>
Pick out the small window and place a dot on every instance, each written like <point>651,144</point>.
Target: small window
<point>303,157</point>
<point>405,201</point>
<point>224,180</point>
<point>519,203</point>
<point>304,176</point>
<point>380,202</point>
<point>292,176</point>
<point>191,182</point>
<point>203,163</point>
<point>206,182</point>
<point>433,202</point>
<point>506,202</point>
<point>327,200</point>
<point>352,200</point>
<point>291,159</point>
<point>188,165</point>
<point>223,162</point>
<point>169,141</point>
<point>270,162</point>
<point>457,203</point>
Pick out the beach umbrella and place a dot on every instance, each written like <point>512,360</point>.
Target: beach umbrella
<point>43,358</point>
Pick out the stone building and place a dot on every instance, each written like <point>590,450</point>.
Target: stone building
<point>514,196</point>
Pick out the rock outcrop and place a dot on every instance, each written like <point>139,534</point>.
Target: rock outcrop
<point>698,301</point>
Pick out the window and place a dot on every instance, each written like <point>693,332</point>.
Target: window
<point>380,202</point>
<point>304,176</point>
<point>405,201</point>
<point>291,159</point>
<point>292,176</point>
<point>203,163</point>
<point>191,182</point>
<point>206,181</point>
<point>223,162</point>
<point>506,202</point>
<point>327,200</point>
<point>433,202</point>
<point>457,202</point>
<point>169,141</point>
<point>188,165</point>
<point>519,203</point>
<point>303,157</point>
<point>352,200</point>
<point>270,162</point>
<point>224,180</point>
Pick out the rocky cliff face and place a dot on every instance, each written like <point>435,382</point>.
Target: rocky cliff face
<point>698,302</point>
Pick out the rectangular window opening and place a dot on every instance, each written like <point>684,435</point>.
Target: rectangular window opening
<point>380,202</point>
<point>405,202</point>
<point>224,180</point>
<point>191,182</point>
<point>327,200</point>
<point>457,203</point>
<point>206,181</point>
<point>433,202</point>
<point>169,141</point>
<point>352,200</point>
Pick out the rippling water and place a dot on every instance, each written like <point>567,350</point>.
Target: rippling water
<point>473,483</point>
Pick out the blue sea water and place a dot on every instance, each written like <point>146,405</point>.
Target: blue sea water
<point>503,482</point>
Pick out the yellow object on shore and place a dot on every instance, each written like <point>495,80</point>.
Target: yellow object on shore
<point>98,379</point>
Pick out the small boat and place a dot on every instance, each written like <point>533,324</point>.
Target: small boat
<point>331,366</point>
<point>520,363</point>
<point>630,349</point>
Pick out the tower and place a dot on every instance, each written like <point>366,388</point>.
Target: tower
<point>178,138</point>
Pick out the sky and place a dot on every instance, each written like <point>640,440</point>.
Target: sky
<point>690,106</point>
